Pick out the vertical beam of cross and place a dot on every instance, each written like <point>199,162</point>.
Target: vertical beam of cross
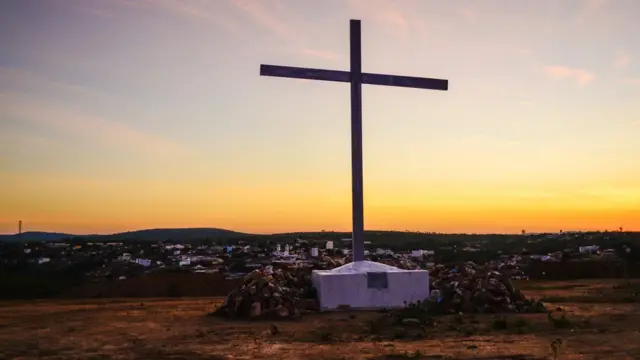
<point>357,196</point>
<point>356,77</point>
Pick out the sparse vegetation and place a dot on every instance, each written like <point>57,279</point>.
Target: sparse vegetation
<point>521,323</point>
<point>556,347</point>
<point>22,278</point>
<point>163,329</point>
<point>499,323</point>
<point>562,322</point>
<point>554,287</point>
<point>94,328</point>
<point>325,335</point>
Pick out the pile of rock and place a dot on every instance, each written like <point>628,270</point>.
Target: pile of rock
<point>469,288</point>
<point>328,263</point>
<point>401,263</point>
<point>279,294</point>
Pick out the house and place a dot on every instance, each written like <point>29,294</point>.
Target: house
<point>591,249</point>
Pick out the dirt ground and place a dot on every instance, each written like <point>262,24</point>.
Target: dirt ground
<point>602,322</point>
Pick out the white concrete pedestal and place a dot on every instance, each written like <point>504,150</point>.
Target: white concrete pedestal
<point>369,285</point>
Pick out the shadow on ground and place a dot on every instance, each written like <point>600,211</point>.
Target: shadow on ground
<point>444,357</point>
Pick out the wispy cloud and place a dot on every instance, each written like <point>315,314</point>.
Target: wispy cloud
<point>588,10</point>
<point>524,100</point>
<point>99,8</point>
<point>592,6</point>
<point>76,122</point>
<point>621,61</point>
<point>209,12</point>
<point>384,12</point>
<point>532,195</point>
<point>395,18</point>
<point>19,80</point>
<point>580,76</point>
<point>100,13</point>
<point>527,104</point>
<point>265,13</point>
<point>27,97</point>
<point>270,15</point>
<point>633,81</point>
<point>602,193</point>
<point>524,51</point>
<point>189,8</point>
<point>614,194</point>
<point>467,13</point>
<point>275,17</point>
<point>327,55</point>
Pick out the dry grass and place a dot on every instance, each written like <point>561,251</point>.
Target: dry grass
<point>180,329</point>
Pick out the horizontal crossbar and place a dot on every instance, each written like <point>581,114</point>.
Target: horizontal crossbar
<point>345,76</point>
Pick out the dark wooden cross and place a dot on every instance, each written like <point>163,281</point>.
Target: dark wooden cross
<point>356,77</point>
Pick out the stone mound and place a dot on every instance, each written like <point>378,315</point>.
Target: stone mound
<point>472,289</point>
<point>265,294</point>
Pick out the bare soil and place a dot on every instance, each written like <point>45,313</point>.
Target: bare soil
<point>602,322</point>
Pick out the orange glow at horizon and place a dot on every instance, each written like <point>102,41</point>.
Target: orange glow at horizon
<point>102,206</point>
<point>111,124</point>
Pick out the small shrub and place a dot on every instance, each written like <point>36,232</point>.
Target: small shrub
<point>325,336</point>
<point>499,323</point>
<point>399,333</point>
<point>173,290</point>
<point>406,355</point>
<point>520,323</point>
<point>556,347</point>
<point>469,331</point>
<point>418,310</point>
<point>374,327</point>
<point>562,323</point>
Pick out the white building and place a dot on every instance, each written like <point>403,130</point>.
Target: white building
<point>369,285</point>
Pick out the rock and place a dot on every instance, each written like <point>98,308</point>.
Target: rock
<point>410,321</point>
<point>284,312</point>
<point>470,288</point>
<point>435,294</point>
<point>284,291</point>
<point>280,293</point>
<point>256,310</point>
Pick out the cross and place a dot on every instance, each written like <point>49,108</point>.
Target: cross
<point>356,77</point>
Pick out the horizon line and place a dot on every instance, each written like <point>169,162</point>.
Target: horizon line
<point>321,231</point>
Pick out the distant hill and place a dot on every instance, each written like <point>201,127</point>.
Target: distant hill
<point>145,235</point>
<point>35,236</point>
<point>176,234</point>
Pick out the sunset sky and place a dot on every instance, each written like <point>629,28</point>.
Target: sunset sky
<point>119,115</point>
